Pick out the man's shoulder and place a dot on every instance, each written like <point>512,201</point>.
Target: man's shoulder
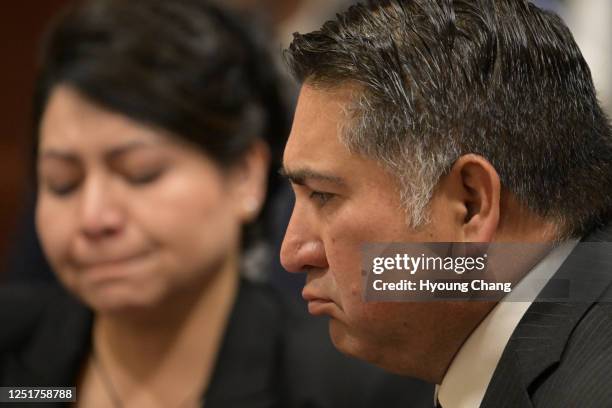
<point>558,357</point>
<point>560,354</point>
<point>582,377</point>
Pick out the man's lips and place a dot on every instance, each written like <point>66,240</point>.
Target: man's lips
<point>317,305</point>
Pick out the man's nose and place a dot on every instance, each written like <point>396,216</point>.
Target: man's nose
<point>101,213</point>
<point>302,247</point>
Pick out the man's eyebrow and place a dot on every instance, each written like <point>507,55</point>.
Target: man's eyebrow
<point>301,176</point>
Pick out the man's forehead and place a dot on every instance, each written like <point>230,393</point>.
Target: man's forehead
<point>319,117</point>
<point>315,151</point>
<point>321,98</point>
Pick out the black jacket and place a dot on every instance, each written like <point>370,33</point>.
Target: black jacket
<point>560,354</point>
<point>273,354</point>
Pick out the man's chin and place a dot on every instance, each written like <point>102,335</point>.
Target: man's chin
<point>357,346</point>
<point>350,343</point>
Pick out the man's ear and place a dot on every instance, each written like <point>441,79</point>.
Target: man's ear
<point>249,181</point>
<point>478,193</point>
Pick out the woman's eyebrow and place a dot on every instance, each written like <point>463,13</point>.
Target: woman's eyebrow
<point>111,154</point>
<point>116,152</point>
<point>57,154</point>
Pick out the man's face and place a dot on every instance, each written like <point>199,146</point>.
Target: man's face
<point>344,200</point>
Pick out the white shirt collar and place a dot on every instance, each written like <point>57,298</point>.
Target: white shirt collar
<point>468,376</point>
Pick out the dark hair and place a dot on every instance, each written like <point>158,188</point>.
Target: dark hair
<point>437,79</point>
<point>186,66</point>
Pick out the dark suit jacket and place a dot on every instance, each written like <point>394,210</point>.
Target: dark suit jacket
<point>273,354</point>
<point>560,355</point>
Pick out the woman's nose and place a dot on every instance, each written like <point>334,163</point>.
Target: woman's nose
<point>101,214</point>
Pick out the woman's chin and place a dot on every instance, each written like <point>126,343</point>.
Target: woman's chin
<point>120,300</point>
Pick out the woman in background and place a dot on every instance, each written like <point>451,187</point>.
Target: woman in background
<point>156,122</point>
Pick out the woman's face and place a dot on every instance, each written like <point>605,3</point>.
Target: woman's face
<point>129,216</point>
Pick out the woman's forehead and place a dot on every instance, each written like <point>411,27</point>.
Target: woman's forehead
<point>71,121</point>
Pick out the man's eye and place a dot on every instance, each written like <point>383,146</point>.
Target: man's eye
<point>320,197</point>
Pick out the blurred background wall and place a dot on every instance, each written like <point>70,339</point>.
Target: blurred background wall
<point>21,25</point>
<point>591,23</point>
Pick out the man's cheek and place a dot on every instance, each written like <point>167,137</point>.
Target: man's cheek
<point>346,262</point>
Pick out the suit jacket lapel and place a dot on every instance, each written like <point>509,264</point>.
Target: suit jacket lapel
<point>542,334</point>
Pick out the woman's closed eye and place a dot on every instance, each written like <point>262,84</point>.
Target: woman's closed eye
<point>145,177</point>
<point>59,177</point>
<point>61,188</point>
<point>140,166</point>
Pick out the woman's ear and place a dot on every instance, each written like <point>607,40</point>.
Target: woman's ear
<point>478,193</point>
<point>249,181</point>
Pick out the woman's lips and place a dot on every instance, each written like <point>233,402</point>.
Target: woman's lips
<point>108,261</point>
<point>110,268</point>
